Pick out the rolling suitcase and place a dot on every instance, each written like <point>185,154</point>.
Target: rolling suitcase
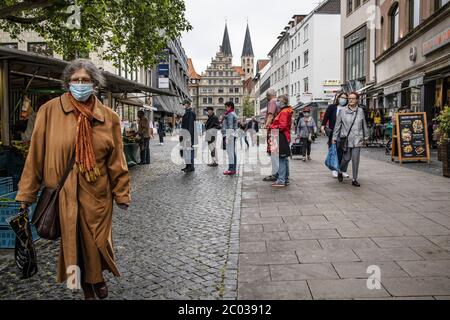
<point>296,147</point>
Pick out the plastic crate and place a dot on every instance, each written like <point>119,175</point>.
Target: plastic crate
<point>6,185</point>
<point>8,237</point>
<point>11,208</point>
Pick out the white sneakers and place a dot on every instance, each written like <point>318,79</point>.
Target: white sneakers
<point>344,174</point>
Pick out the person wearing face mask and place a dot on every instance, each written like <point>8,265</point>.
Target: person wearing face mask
<point>76,133</point>
<point>306,128</point>
<point>329,122</point>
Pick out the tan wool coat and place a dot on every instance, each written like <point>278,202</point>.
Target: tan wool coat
<point>86,205</point>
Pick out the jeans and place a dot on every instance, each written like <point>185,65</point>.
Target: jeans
<point>283,172</point>
<point>213,151</point>
<point>275,160</point>
<point>306,147</point>
<point>145,151</point>
<point>231,152</point>
<point>189,154</point>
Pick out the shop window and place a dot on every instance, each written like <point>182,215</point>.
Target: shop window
<point>12,45</point>
<point>40,48</point>
<point>394,22</point>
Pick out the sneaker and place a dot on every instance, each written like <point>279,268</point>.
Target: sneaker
<point>356,183</point>
<point>229,173</point>
<point>278,185</point>
<point>335,174</point>
<point>345,175</point>
<point>214,165</point>
<point>287,182</point>
<point>309,158</point>
<point>270,179</point>
<point>303,159</point>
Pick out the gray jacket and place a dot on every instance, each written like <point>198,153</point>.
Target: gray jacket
<point>230,122</point>
<point>304,130</point>
<point>359,130</point>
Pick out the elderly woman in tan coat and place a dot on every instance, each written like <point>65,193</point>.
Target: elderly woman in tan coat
<point>78,124</point>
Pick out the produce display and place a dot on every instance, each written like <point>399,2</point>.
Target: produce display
<point>20,147</point>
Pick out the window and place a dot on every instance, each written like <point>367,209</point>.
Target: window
<point>413,14</point>
<point>355,58</point>
<point>221,101</point>
<point>292,67</point>
<point>394,30</point>
<point>349,6</point>
<point>295,64</point>
<point>231,90</point>
<point>357,3</point>
<point>40,48</point>
<point>205,100</point>
<point>10,45</point>
<point>306,33</point>
<point>210,101</point>
<point>236,90</point>
<point>236,100</point>
<point>439,4</point>
<point>305,85</point>
<point>292,89</point>
<point>305,58</point>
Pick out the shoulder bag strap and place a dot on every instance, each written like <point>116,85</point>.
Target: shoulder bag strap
<point>70,165</point>
<point>354,119</point>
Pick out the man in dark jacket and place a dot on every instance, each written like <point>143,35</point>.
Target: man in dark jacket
<point>212,125</point>
<point>254,129</point>
<point>187,138</point>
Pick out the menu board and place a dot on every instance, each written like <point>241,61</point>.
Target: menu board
<point>412,136</point>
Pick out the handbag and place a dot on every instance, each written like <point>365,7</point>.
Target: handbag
<point>343,141</point>
<point>24,250</point>
<point>46,214</point>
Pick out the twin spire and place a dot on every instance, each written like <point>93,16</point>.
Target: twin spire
<point>247,50</point>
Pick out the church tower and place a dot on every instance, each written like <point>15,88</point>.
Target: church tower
<point>226,46</point>
<point>247,57</point>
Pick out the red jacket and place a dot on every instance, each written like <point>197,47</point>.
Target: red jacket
<point>283,122</point>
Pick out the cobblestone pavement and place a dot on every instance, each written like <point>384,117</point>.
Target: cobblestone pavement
<point>316,238</point>
<point>177,240</point>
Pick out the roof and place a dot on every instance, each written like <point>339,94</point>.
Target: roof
<point>226,46</point>
<point>260,64</point>
<point>329,7</point>
<point>249,85</point>
<point>191,70</point>
<point>51,68</point>
<point>247,51</point>
<point>239,70</point>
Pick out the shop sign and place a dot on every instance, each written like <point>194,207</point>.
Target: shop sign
<point>331,83</point>
<point>416,82</point>
<point>436,42</point>
<point>393,89</point>
<point>163,83</point>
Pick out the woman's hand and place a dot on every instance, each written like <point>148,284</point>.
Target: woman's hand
<point>333,142</point>
<point>24,205</point>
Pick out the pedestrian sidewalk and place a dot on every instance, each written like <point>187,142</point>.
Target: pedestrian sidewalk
<point>316,238</point>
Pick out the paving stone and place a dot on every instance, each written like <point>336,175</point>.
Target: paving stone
<point>292,245</point>
<point>267,258</point>
<point>358,270</point>
<point>254,274</point>
<point>284,290</point>
<point>252,247</point>
<point>417,286</point>
<point>403,242</point>
<point>433,253</point>
<point>263,236</point>
<point>355,243</point>
<point>295,272</point>
<point>426,268</point>
<point>390,254</point>
<point>344,288</point>
<point>314,234</point>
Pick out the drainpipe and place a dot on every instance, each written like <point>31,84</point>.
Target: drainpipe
<point>4,86</point>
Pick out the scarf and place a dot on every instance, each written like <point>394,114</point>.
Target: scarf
<point>84,149</point>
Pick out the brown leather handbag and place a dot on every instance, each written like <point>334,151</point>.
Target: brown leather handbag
<point>46,214</point>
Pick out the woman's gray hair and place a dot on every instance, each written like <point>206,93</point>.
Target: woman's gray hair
<point>284,99</point>
<point>78,64</point>
<point>271,92</point>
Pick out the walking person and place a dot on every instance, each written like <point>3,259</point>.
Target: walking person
<point>306,129</point>
<point>161,131</point>
<point>229,131</point>
<point>253,129</point>
<point>144,134</point>
<point>187,138</point>
<point>242,133</point>
<point>283,123</point>
<point>212,125</point>
<point>329,122</point>
<point>77,128</point>
<point>272,112</point>
<point>351,129</point>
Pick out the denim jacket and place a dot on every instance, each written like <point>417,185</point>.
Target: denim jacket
<point>230,122</point>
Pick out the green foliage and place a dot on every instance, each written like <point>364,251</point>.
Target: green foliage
<point>444,124</point>
<point>133,31</point>
<point>249,110</point>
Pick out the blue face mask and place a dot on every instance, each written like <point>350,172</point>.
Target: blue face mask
<point>343,102</point>
<point>81,92</point>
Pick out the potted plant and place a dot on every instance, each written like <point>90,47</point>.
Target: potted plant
<point>444,141</point>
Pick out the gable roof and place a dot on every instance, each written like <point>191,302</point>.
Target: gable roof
<point>191,70</point>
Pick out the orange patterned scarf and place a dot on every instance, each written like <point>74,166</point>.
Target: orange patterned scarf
<point>85,156</point>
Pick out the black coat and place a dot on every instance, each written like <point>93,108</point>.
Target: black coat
<point>251,124</point>
<point>188,123</point>
<point>330,117</point>
<point>212,123</point>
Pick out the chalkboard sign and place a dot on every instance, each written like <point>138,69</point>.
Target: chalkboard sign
<point>412,137</point>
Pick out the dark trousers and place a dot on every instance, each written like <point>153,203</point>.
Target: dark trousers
<point>161,138</point>
<point>145,151</point>
<point>306,147</point>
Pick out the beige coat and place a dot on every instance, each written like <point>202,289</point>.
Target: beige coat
<point>90,205</point>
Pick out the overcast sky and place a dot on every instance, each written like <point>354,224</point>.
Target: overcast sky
<point>267,18</point>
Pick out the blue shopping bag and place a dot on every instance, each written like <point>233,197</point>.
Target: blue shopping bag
<point>332,161</point>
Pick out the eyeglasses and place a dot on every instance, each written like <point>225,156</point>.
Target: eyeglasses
<point>81,81</point>
<point>352,98</point>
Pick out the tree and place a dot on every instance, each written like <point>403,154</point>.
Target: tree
<point>249,109</point>
<point>132,31</point>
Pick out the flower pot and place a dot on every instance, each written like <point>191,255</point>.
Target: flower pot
<point>445,157</point>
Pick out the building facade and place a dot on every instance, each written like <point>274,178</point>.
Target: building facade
<point>279,60</point>
<point>315,55</point>
<point>262,84</point>
<point>413,56</point>
<point>358,50</point>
